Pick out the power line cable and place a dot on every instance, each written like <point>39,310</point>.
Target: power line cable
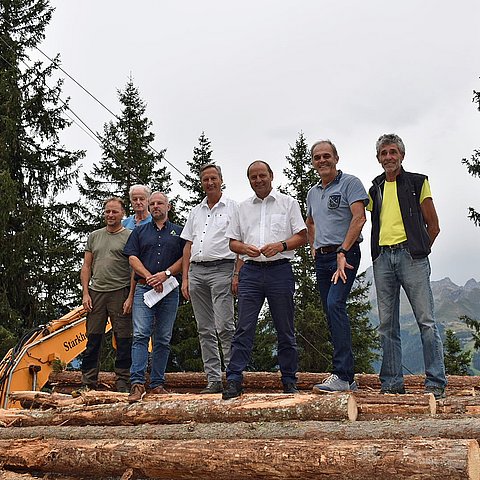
<point>57,65</point>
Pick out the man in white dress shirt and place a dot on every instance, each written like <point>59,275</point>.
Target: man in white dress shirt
<point>208,274</point>
<point>264,232</point>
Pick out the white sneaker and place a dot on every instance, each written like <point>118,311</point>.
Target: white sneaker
<point>334,384</point>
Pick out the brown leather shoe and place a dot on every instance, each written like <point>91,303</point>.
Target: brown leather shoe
<point>160,390</point>
<point>136,393</point>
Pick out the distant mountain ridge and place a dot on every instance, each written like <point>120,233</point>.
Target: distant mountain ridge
<point>451,302</point>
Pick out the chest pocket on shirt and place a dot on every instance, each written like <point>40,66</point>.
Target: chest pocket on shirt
<point>334,201</point>
<point>221,221</point>
<point>278,223</point>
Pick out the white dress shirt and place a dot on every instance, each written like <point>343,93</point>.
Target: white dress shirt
<point>274,219</point>
<point>206,229</point>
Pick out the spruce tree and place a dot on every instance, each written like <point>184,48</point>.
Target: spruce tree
<point>202,154</point>
<point>38,254</point>
<point>127,159</point>
<point>457,361</point>
<point>473,167</point>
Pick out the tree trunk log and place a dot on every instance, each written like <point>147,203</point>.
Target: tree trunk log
<point>423,427</point>
<point>247,459</point>
<point>254,381</point>
<point>199,408</point>
<point>373,406</point>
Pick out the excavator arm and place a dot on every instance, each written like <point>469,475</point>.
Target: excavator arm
<point>28,365</point>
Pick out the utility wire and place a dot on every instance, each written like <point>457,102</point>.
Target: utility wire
<point>57,65</point>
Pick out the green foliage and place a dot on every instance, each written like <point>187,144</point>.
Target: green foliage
<point>474,325</point>
<point>202,154</point>
<point>457,361</point>
<point>38,254</point>
<point>127,159</point>
<point>473,167</point>
<point>365,341</point>
<point>264,354</point>
<point>185,354</point>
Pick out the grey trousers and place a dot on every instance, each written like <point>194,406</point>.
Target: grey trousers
<point>212,302</point>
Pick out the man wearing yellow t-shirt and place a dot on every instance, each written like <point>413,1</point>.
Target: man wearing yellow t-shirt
<point>404,226</point>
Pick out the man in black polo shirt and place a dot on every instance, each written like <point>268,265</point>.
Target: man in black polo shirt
<point>155,253</point>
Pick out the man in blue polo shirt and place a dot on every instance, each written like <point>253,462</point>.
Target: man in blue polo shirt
<point>155,253</point>
<point>335,217</point>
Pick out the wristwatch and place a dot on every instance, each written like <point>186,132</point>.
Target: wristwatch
<point>168,273</point>
<point>285,246</point>
<point>340,249</point>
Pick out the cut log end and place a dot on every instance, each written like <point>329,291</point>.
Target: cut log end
<point>473,460</point>
<point>352,408</point>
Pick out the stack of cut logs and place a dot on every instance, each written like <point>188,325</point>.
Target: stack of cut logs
<point>263,434</point>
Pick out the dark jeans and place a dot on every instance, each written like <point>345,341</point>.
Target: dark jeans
<point>334,301</point>
<point>277,285</point>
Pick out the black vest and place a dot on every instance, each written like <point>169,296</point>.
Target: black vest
<point>409,188</point>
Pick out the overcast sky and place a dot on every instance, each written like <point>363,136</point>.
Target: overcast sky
<point>253,74</point>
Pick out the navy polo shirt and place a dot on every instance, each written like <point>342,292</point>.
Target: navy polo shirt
<point>156,248</point>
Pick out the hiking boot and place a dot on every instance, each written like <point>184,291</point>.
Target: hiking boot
<point>438,392</point>
<point>122,385</point>
<point>290,388</point>
<point>213,387</point>
<point>136,393</point>
<point>234,389</point>
<point>393,390</point>
<point>332,384</point>
<point>83,389</point>
<point>159,390</point>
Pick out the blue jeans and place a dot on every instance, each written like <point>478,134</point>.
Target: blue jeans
<point>156,322</point>
<point>276,284</point>
<point>334,301</point>
<point>394,268</point>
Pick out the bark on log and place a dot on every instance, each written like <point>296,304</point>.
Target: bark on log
<point>423,427</point>
<point>200,408</point>
<point>246,459</point>
<point>375,406</point>
<point>33,399</point>
<point>193,381</point>
<point>459,405</point>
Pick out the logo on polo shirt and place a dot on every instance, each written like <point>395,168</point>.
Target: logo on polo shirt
<point>334,201</point>
<point>173,232</point>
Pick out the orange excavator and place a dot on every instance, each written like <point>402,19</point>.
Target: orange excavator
<point>28,365</point>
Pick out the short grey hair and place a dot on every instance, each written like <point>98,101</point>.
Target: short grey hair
<point>147,190</point>
<point>388,139</point>
<point>157,192</point>
<point>329,142</point>
<point>211,165</point>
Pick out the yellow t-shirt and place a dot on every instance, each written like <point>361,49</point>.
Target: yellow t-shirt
<point>392,230</point>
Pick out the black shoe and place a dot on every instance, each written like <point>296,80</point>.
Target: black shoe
<point>234,389</point>
<point>290,388</point>
<point>393,390</point>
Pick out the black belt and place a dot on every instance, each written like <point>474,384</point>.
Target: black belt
<point>327,249</point>
<point>395,246</point>
<point>273,263</point>
<point>214,263</point>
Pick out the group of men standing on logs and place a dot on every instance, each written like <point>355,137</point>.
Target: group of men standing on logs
<point>227,249</point>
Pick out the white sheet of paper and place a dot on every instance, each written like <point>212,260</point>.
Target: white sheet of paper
<point>152,297</point>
